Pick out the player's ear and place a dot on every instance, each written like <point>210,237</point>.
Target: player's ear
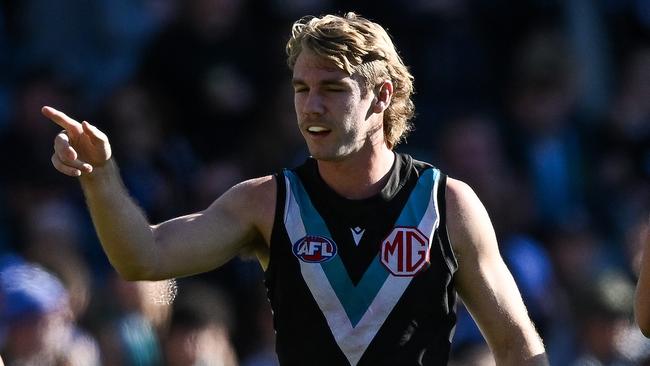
<point>383,95</point>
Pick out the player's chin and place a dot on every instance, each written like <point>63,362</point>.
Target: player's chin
<point>327,156</point>
<point>319,153</point>
<point>320,156</point>
<point>328,152</point>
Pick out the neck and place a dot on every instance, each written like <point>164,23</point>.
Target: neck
<point>361,175</point>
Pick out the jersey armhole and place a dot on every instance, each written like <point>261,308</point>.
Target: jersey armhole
<point>447,248</point>
<point>278,220</point>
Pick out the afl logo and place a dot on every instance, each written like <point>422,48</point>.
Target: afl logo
<point>314,249</point>
<point>405,251</point>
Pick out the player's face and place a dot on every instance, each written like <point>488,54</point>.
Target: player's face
<point>332,109</point>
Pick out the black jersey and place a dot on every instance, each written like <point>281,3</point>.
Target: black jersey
<point>362,282</point>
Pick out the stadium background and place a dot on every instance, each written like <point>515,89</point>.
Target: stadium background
<point>543,106</point>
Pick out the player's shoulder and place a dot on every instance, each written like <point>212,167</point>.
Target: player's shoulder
<point>459,194</point>
<point>252,200</point>
<point>467,219</point>
<point>461,200</point>
<point>256,190</point>
<point>465,212</point>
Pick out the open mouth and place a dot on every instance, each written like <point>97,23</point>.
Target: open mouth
<point>318,131</point>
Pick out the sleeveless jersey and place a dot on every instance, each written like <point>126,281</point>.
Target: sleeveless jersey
<point>362,282</point>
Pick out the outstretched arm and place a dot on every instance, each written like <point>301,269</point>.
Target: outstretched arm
<point>182,246</point>
<point>642,296</point>
<point>485,283</point>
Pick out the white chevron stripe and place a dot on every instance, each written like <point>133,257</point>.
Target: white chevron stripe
<point>353,341</point>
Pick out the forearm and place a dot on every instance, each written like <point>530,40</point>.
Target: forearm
<point>518,342</point>
<point>642,296</point>
<point>122,227</point>
<point>517,357</point>
<point>519,345</point>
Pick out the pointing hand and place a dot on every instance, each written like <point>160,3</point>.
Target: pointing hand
<point>80,147</point>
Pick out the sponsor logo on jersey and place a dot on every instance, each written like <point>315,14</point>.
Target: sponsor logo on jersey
<point>405,251</point>
<point>314,249</point>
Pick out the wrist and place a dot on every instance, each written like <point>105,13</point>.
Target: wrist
<point>100,173</point>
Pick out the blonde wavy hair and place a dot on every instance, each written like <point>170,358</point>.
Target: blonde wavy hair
<point>359,46</point>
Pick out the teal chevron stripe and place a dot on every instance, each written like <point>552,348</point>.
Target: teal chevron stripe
<point>416,206</point>
<point>313,222</point>
<point>356,299</point>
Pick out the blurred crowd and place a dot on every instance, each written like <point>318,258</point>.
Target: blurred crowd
<point>542,106</point>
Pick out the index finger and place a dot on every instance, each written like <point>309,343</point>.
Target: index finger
<point>62,119</point>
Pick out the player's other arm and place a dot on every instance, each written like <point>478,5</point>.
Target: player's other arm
<point>485,283</point>
<point>642,296</point>
<point>178,247</point>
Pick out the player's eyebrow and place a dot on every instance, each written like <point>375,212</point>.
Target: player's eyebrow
<point>296,82</point>
<point>325,82</point>
<point>334,82</point>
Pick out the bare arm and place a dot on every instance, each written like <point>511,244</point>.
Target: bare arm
<point>642,296</point>
<point>485,283</point>
<point>178,247</point>
<point>181,246</point>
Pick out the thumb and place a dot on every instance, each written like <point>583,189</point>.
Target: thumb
<point>93,132</point>
<point>98,139</point>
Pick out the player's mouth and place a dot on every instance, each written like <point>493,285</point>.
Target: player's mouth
<point>318,131</point>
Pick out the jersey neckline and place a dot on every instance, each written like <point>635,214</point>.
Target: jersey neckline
<point>398,176</point>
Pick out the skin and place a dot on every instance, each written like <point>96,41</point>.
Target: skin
<point>351,141</point>
<point>642,295</point>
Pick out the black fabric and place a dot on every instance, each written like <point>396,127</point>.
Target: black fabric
<point>417,331</point>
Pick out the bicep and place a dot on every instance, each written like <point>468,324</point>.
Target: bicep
<point>488,290</point>
<point>205,240</point>
<point>483,281</point>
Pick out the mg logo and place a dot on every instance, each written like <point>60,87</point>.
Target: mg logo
<point>405,251</point>
<point>314,249</point>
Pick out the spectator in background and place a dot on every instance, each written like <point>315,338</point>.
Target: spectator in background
<point>581,256</point>
<point>91,46</point>
<point>623,139</point>
<point>199,333</point>
<point>159,165</point>
<point>26,129</point>
<point>281,120</point>
<point>262,351</point>
<point>451,58</point>
<point>36,327</point>
<point>470,148</point>
<point>544,131</point>
<point>20,192</point>
<point>602,310</point>
<point>215,93</point>
<point>133,318</point>
<point>53,240</point>
<point>6,82</point>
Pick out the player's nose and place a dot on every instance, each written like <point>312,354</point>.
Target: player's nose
<point>313,104</point>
